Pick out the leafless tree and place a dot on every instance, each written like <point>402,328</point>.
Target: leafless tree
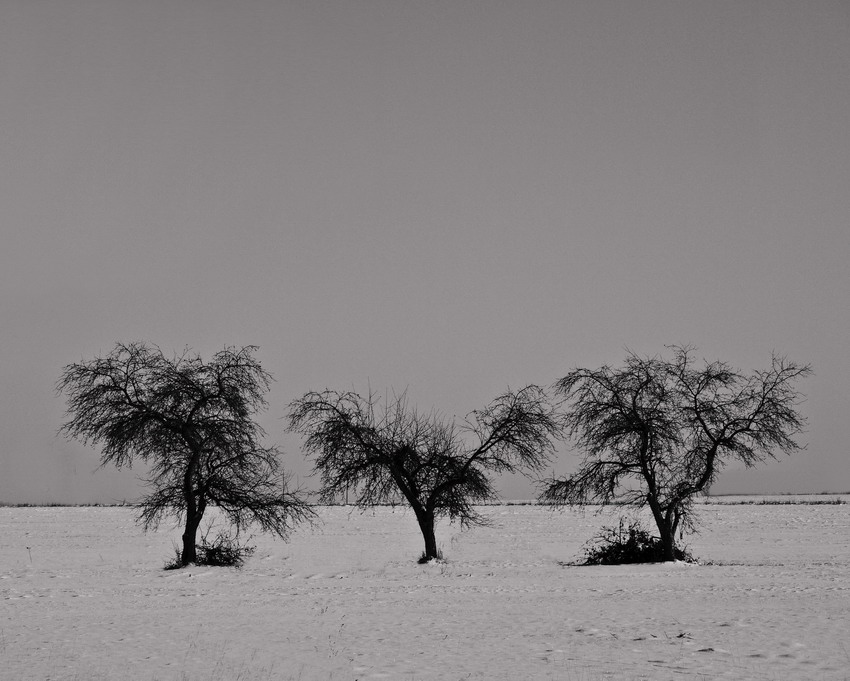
<point>657,432</point>
<point>193,422</point>
<point>440,468</point>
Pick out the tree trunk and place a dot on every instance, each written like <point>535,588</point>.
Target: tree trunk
<point>189,553</point>
<point>426,525</point>
<point>194,512</point>
<point>664,521</point>
<point>668,540</point>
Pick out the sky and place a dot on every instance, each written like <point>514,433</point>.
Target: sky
<point>450,197</point>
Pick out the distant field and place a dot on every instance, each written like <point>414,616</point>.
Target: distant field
<point>812,499</point>
<point>84,597</point>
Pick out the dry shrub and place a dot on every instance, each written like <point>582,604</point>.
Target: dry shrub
<point>627,543</point>
<point>222,551</point>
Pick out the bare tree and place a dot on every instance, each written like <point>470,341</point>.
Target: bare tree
<point>657,432</point>
<point>439,468</point>
<point>193,422</point>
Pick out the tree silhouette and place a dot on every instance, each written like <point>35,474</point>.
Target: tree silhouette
<point>193,422</point>
<point>670,426</point>
<point>439,468</point>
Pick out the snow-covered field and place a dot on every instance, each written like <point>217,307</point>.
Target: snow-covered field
<point>84,598</point>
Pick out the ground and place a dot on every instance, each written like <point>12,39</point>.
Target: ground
<point>84,597</point>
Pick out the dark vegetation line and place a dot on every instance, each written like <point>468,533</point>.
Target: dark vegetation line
<point>718,500</point>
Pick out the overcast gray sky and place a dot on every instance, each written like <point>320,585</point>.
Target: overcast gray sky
<point>447,196</point>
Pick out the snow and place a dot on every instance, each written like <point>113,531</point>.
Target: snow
<point>84,597</point>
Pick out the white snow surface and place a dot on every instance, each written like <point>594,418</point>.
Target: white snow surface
<point>84,597</point>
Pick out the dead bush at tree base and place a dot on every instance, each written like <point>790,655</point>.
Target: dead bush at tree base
<point>423,559</point>
<point>628,543</point>
<point>223,551</point>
